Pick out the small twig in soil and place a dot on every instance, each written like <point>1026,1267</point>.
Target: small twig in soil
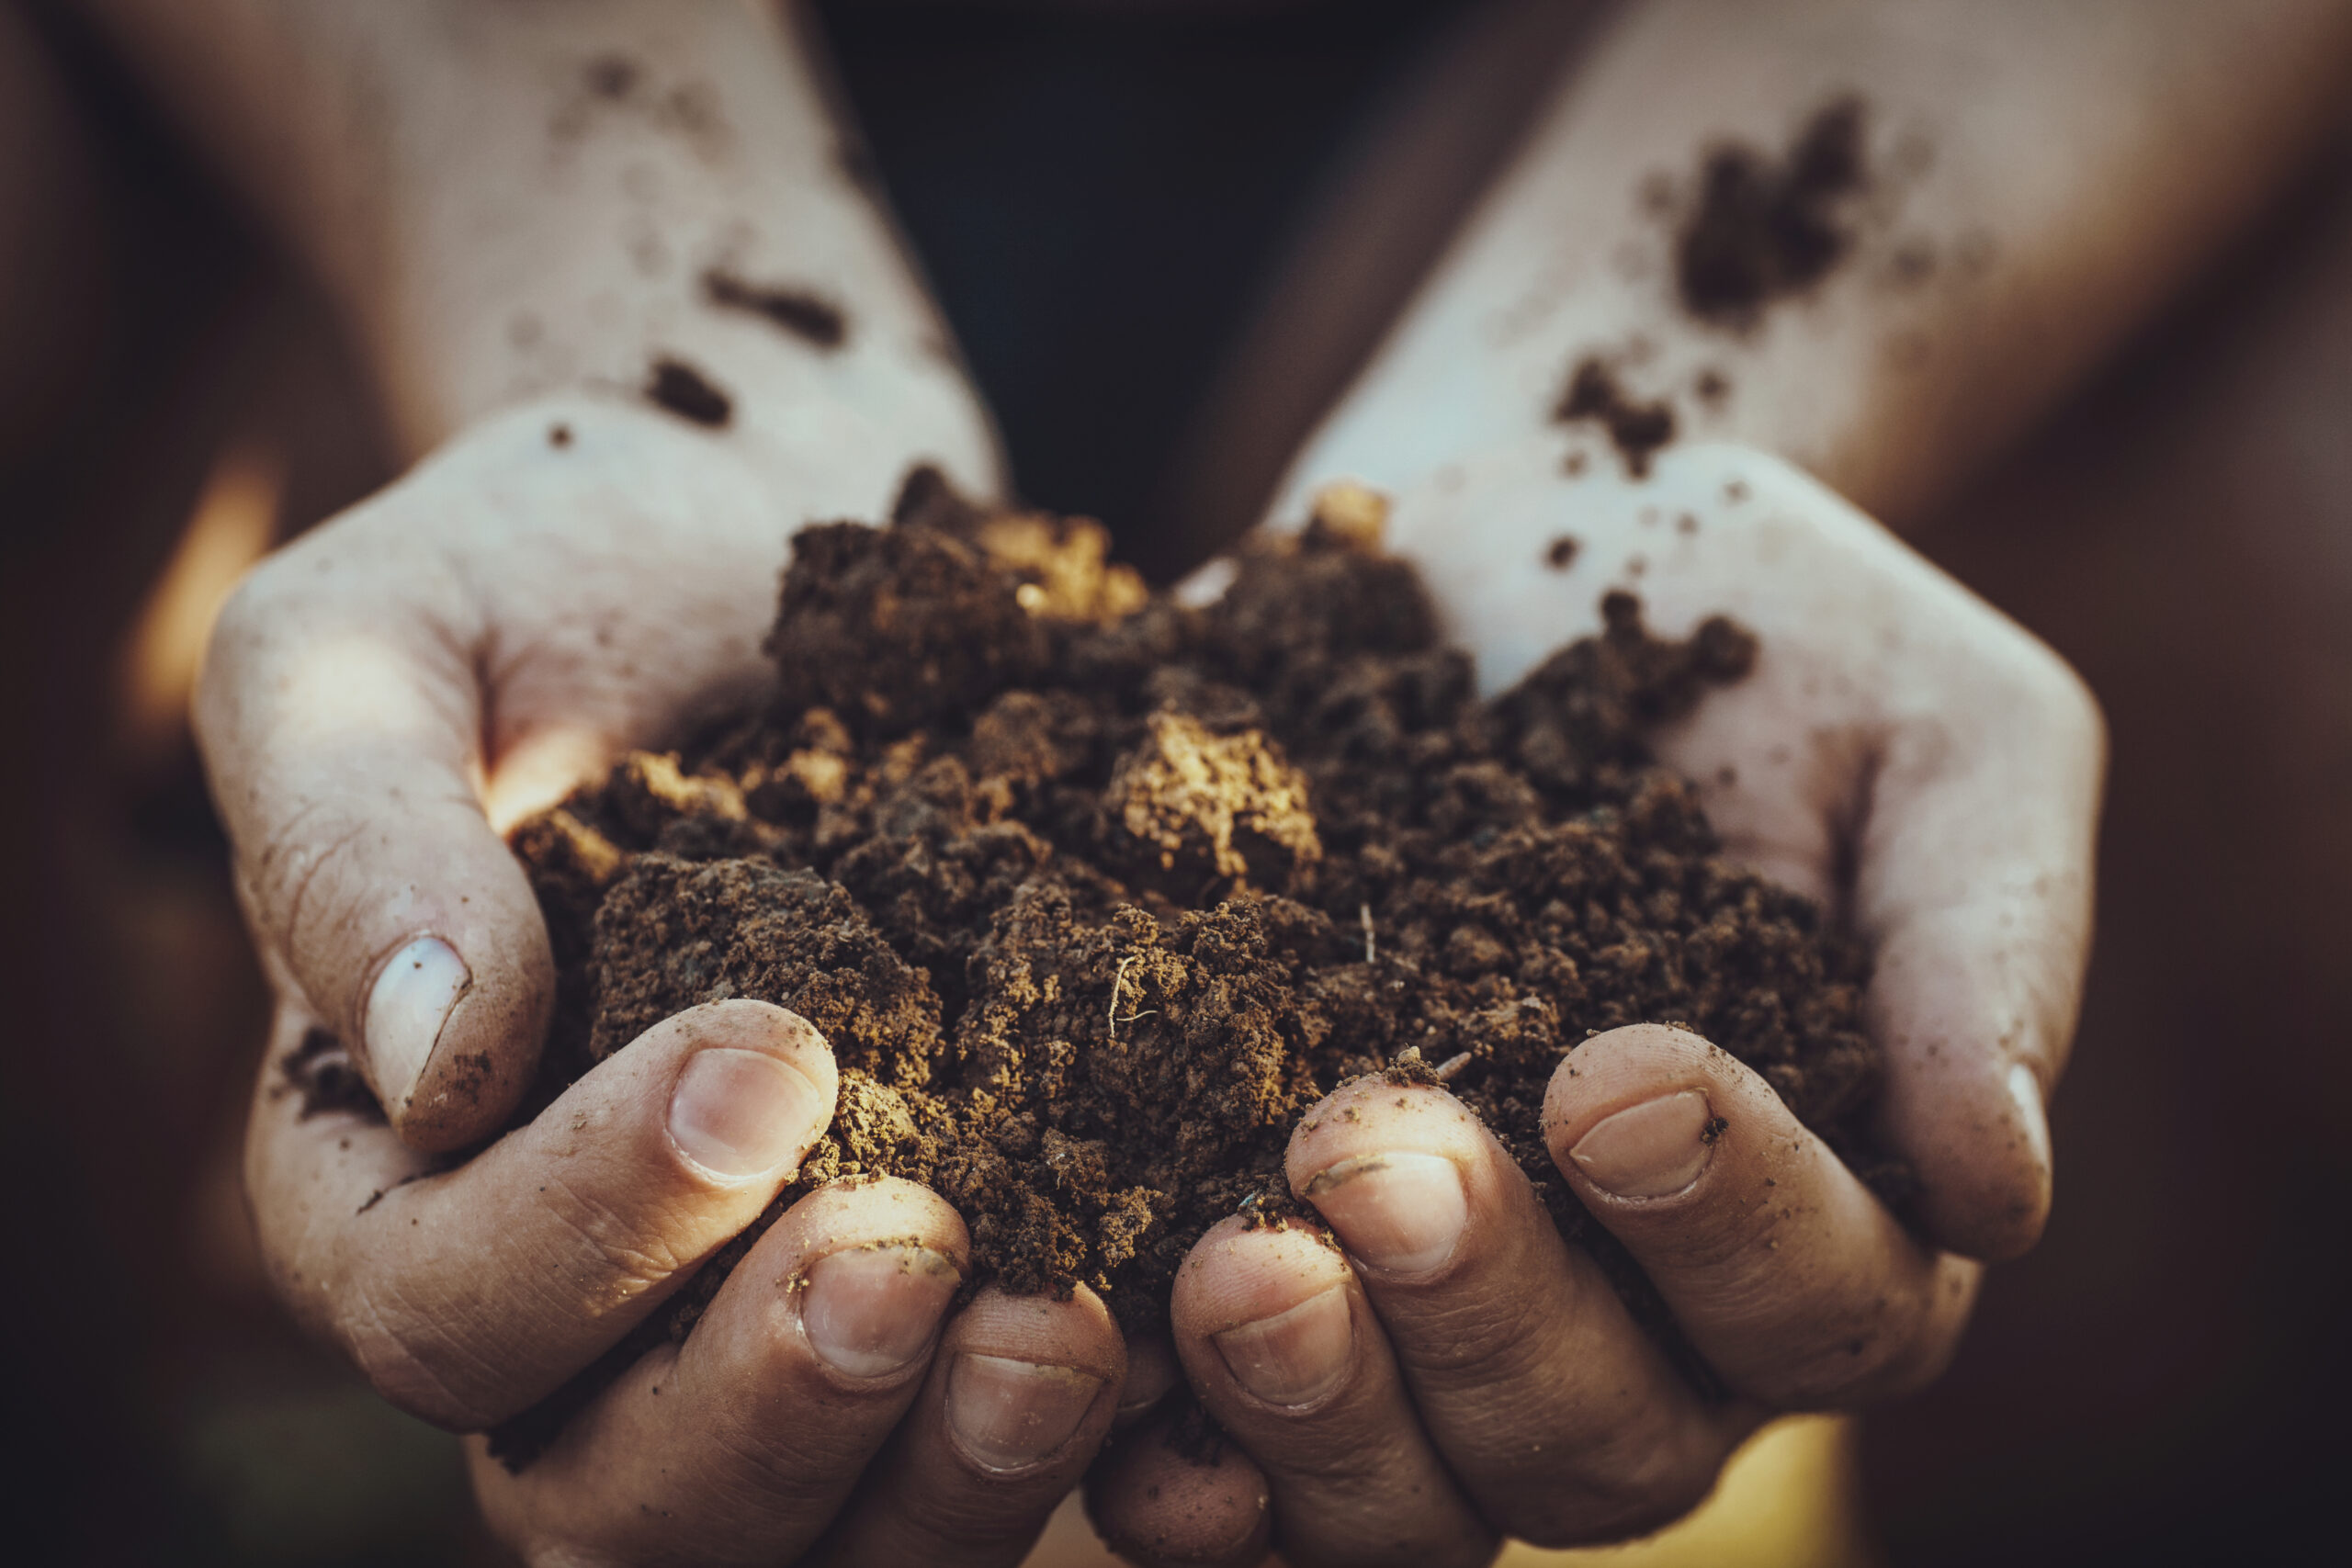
<point>1371,948</point>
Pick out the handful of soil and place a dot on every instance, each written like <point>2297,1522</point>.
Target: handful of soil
<point>1093,893</point>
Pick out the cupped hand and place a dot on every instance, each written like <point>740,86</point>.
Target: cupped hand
<point>561,583</point>
<point>1459,1373</point>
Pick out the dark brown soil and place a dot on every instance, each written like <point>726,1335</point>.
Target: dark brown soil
<point>678,387</point>
<point>321,1071</point>
<point>1636,429</point>
<point>815,321</point>
<point>1765,229</point>
<point>1094,895</point>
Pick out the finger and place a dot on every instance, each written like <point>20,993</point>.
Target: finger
<point>469,1295</point>
<point>1789,1276</point>
<point>1160,1501</point>
<point>1020,1396</point>
<point>1973,891</point>
<point>340,718</point>
<point>741,1444</point>
<point>1560,1415</point>
<point>1285,1353</point>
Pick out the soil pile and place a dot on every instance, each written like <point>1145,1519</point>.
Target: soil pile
<point>1094,894</point>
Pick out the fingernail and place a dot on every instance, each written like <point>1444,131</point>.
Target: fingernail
<point>1649,1150</point>
<point>870,1312</point>
<point>1007,1414</point>
<point>1294,1357</point>
<point>1400,1212</point>
<point>410,1002</point>
<point>740,1113</point>
<point>2026,1090</point>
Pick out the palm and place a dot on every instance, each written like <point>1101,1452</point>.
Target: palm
<point>1901,752</point>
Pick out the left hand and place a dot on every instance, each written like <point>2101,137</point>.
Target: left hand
<point>1901,752</point>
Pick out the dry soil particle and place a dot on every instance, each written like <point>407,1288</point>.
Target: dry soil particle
<point>1094,894</point>
<point>1636,429</point>
<point>815,321</point>
<point>1763,230</point>
<point>676,387</point>
<point>322,1073</point>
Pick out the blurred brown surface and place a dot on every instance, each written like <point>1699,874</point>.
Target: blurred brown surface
<point>2159,1383</point>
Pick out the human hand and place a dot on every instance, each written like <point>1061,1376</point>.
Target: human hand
<point>564,582</point>
<point>1900,752</point>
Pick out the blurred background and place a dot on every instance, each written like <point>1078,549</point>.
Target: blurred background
<point>2161,1383</point>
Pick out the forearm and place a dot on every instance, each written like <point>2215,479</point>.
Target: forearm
<point>513,202</point>
<point>2034,179</point>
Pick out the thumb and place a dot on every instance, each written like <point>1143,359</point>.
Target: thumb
<point>339,712</point>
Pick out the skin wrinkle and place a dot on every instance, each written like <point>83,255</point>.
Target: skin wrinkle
<point>294,928</point>
<point>397,1364</point>
<point>1459,1339</point>
<point>634,1255</point>
<point>775,1468</point>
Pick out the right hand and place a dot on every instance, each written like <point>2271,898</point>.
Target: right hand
<point>467,643</point>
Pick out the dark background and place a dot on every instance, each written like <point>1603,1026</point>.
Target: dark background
<point>2161,1383</point>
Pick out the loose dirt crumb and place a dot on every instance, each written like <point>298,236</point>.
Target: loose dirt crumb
<point>678,387</point>
<point>1636,429</point>
<point>807,315</point>
<point>1764,229</point>
<point>322,1072</point>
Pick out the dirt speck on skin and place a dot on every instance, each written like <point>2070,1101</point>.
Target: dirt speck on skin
<point>322,1073</point>
<point>806,315</point>
<point>1764,229</point>
<point>611,76</point>
<point>1094,895</point>
<point>1636,429</point>
<point>676,387</point>
<point>614,90</point>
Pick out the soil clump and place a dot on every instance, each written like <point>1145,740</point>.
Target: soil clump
<point>1765,229</point>
<point>1636,429</point>
<point>1094,894</point>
